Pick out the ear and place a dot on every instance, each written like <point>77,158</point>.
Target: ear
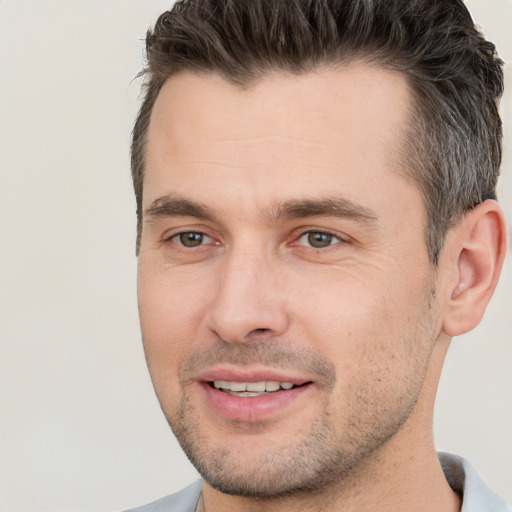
<point>475,253</point>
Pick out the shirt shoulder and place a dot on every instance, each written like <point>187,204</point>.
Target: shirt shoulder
<point>476,496</point>
<point>182,501</point>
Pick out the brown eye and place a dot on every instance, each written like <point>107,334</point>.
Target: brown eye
<point>191,238</point>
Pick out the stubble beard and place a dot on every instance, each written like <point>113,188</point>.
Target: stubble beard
<point>317,461</point>
<point>325,455</point>
<point>319,458</point>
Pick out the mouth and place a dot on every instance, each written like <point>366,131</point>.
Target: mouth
<point>253,389</point>
<point>253,396</point>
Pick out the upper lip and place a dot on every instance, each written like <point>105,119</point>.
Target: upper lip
<point>248,375</point>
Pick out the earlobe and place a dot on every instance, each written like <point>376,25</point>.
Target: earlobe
<point>477,251</point>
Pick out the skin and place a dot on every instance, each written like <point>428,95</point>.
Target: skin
<point>365,320</point>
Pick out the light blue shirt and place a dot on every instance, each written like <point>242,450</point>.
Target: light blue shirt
<point>476,496</point>
<point>461,476</point>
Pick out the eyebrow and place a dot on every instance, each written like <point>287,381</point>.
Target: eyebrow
<point>175,206</point>
<point>328,207</point>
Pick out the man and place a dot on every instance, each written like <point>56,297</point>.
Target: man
<point>315,184</point>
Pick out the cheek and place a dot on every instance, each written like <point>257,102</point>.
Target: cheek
<point>337,306</point>
<point>364,325</point>
<point>170,313</point>
<point>380,352</point>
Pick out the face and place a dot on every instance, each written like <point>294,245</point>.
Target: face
<point>285,291</point>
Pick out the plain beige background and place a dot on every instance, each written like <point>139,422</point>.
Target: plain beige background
<point>81,429</point>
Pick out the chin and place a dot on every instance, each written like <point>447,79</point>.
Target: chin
<point>269,467</point>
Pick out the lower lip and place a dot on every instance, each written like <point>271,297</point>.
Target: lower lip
<point>251,409</point>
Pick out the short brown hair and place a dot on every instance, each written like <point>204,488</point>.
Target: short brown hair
<point>453,144</point>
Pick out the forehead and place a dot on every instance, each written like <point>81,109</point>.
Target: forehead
<point>286,134</point>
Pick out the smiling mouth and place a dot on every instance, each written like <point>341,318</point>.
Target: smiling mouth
<point>253,389</point>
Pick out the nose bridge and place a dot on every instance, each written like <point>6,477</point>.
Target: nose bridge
<point>248,300</point>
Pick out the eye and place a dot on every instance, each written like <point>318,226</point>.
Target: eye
<point>191,239</point>
<point>318,239</point>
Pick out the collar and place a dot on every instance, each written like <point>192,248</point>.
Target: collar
<point>463,479</point>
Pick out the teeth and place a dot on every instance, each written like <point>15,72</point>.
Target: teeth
<point>252,387</point>
<point>272,385</point>
<point>257,387</point>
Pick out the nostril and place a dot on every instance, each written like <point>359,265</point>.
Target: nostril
<point>261,330</point>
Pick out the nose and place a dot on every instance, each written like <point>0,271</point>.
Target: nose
<point>249,301</point>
